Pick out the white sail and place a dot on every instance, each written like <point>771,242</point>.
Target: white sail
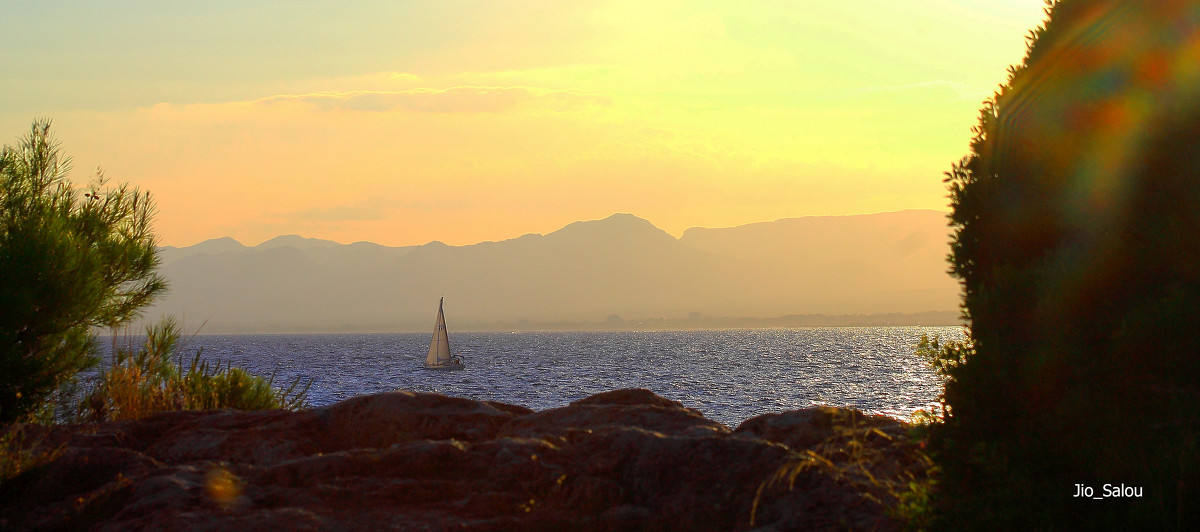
<point>439,346</point>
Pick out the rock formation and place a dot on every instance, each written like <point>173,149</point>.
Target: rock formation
<point>620,460</point>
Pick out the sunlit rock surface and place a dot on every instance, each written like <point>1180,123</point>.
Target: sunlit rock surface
<point>620,460</point>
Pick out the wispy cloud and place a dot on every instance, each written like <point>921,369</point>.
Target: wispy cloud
<point>359,212</point>
<point>464,99</point>
<point>375,209</point>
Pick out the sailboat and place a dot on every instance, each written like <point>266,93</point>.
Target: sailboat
<point>439,347</point>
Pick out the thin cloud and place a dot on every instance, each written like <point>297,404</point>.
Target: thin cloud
<point>366,211</point>
<point>465,99</point>
<point>360,212</point>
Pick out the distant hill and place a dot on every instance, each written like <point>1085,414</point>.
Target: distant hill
<point>877,263</point>
<point>621,267</point>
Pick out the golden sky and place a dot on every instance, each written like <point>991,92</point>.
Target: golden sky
<point>464,121</point>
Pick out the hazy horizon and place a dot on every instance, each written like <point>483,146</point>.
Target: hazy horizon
<point>279,237</point>
<point>619,272</point>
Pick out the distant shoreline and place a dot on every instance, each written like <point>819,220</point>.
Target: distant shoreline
<point>616,324</point>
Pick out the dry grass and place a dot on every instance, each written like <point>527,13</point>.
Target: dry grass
<point>887,468</point>
<point>18,454</point>
<point>154,379</point>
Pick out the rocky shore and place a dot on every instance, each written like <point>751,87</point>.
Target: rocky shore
<point>620,460</point>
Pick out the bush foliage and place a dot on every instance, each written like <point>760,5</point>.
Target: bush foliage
<point>69,262</point>
<point>1075,216</point>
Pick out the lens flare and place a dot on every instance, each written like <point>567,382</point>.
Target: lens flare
<point>1098,96</point>
<point>223,487</point>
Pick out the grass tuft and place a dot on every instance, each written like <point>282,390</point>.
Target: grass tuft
<point>154,379</point>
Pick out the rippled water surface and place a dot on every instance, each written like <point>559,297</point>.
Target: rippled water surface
<point>728,375</point>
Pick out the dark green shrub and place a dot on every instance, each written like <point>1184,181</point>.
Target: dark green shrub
<point>1076,218</point>
<point>68,262</point>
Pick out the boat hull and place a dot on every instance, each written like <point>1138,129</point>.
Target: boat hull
<point>452,366</point>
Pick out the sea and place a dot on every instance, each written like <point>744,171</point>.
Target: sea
<point>728,375</point>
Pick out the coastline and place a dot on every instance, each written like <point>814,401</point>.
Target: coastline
<point>692,323</point>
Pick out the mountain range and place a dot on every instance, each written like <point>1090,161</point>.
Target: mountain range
<point>618,272</point>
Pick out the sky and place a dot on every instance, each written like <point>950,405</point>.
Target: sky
<point>403,122</point>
